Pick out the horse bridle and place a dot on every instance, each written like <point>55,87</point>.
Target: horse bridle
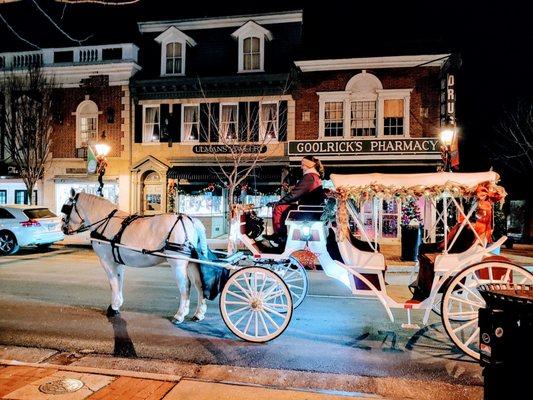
<point>67,210</point>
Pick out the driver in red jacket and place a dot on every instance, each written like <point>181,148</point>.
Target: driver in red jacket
<point>308,191</point>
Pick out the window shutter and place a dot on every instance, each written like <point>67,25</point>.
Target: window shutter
<point>243,127</point>
<point>393,108</point>
<point>282,121</point>
<point>138,133</point>
<point>174,129</point>
<point>204,122</point>
<point>254,121</point>
<point>164,122</point>
<point>215,111</point>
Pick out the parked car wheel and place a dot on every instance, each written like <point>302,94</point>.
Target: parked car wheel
<point>8,243</point>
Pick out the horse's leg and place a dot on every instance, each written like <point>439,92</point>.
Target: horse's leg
<point>179,270</point>
<point>193,271</point>
<point>115,275</point>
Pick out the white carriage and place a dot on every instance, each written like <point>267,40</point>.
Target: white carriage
<point>453,292</point>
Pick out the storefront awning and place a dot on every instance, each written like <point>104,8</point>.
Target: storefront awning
<point>187,175</point>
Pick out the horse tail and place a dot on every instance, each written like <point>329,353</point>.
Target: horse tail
<point>202,237</point>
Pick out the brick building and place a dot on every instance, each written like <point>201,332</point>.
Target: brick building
<point>91,102</point>
<point>374,114</point>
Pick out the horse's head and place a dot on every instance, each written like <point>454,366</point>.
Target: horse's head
<point>72,220</point>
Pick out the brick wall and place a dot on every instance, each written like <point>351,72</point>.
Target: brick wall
<point>67,100</point>
<point>425,93</point>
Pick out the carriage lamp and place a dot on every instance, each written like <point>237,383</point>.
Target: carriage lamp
<point>446,138</point>
<point>102,150</point>
<point>306,232</point>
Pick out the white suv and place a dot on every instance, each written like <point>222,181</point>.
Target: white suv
<point>22,225</point>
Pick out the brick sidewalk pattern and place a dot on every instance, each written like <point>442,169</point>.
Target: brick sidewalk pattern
<point>23,382</point>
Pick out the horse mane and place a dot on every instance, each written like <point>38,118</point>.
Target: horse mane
<point>96,202</point>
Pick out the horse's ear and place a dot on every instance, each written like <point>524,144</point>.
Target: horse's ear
<point>72,193</point>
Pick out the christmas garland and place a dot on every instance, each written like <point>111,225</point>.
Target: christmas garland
<point>486,191</point>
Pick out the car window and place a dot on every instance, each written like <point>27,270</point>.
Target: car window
<point>35,213</point>
<point>4,214</point>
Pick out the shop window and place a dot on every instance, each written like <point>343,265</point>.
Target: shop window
<point>393,117</point>
<point>191,122</point>
<point>333,119</point>
<point>151,124</point>
<point>201,202</point>
<point>3,196</point>
<point>363,118</point>
<point>269,121</point>
<point>86,123</point>
<point>228,121</point>
<point>389,219</point>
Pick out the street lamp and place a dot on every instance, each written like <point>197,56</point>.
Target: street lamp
<point>102,150</point>
<point>446,138</point>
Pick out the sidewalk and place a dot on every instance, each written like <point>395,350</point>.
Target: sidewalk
<point>24,371</point>
<point>44,382</point>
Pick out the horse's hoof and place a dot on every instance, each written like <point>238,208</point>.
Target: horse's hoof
<point>112,313</point>
<point>198,319</point>
<point>176,321</point>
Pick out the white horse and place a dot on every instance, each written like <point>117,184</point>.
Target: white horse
<point>101,216</point>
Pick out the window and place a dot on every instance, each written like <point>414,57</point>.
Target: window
<point>228,121</point>
<point>151,132</point>
<point>251,44</point>
<point>4,214</point>
<point>21,196</point>
<point>364,110</point>
<point>269,120</point>
<point>363,118</point>
<point>3,196</point>
<point>333,119</point>
<point>173,51</point>
<point>86,123</point>
<point>36,213</point>
<point>393,117</point>
<point>191,122</point>
<point>173,58</point>
<point>251,54</point>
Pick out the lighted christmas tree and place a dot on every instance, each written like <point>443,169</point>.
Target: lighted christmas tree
<point>410,211</point>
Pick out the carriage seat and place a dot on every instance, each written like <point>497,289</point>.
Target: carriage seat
<point>304,216</point>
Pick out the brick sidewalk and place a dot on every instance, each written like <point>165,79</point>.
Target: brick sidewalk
<point>23,383</point>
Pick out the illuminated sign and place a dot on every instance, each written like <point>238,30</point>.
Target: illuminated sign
<point>228,149</point>
<point>368,146</point>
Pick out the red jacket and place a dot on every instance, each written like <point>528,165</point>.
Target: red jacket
<point>308,191</point>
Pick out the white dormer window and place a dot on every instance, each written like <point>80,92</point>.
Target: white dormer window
<point>251,42</point>
<point>251,54</point>
<point>173,51</point>
<point>174,59</point>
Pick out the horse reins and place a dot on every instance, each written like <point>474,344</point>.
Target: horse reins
<point>67,210</point>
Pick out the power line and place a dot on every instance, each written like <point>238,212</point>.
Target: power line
<point>16,34</point>
<point>102,2</point>
<point>79,41</point>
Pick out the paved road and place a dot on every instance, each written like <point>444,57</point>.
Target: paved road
<point>57,300</point>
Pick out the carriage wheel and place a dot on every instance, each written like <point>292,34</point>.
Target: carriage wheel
<point>256,304</point>
<point>461,300</point>
<point>294,275</point>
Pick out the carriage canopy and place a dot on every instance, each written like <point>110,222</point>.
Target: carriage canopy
<point>432,184</point>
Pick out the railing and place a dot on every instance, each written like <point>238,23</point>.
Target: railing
<point>126,52</point>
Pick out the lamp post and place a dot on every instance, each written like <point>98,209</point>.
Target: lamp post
<point>446,138</point>
<point>102,150</point>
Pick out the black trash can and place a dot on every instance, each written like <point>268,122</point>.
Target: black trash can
<point>411,239</point>
<point>506,340</point>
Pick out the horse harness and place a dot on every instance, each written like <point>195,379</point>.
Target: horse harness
<point>185,248</point>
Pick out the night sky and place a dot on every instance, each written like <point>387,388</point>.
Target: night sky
<point>494,42</point>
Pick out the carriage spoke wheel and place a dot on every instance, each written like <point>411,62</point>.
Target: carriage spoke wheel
<point>461,300</point>
<point>294,275</point>
<point>256,304</point>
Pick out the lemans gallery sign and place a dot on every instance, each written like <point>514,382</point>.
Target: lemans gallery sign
<point>366,146</point>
